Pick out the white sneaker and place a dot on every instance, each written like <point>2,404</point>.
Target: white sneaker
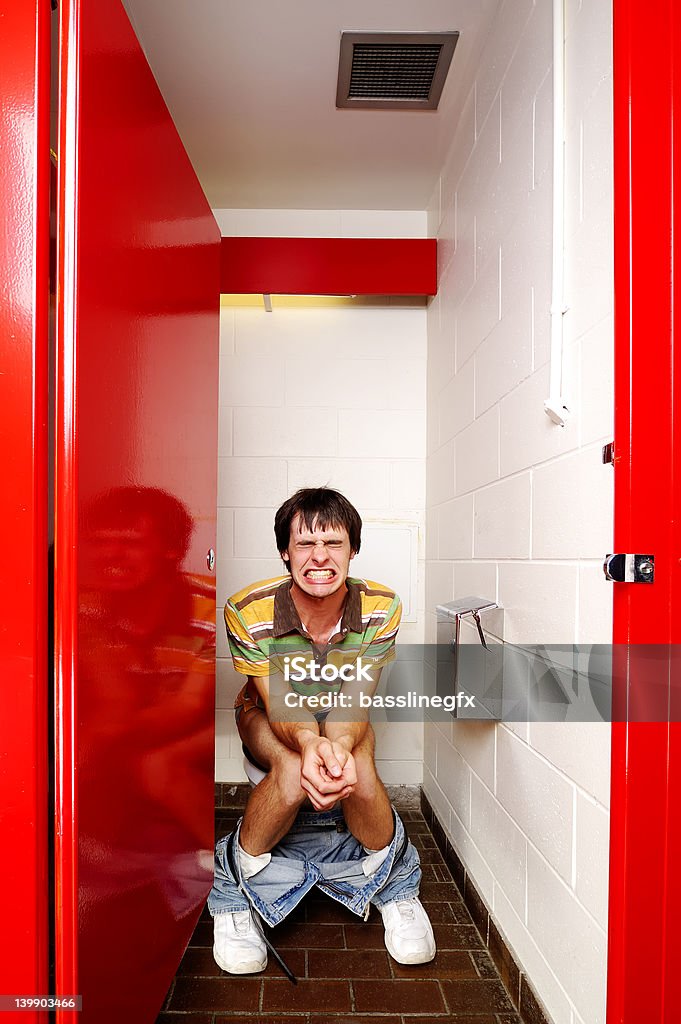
<point>239,947</point>
<point>408,933</point>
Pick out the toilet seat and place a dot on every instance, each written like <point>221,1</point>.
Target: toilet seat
<point>254,772</point>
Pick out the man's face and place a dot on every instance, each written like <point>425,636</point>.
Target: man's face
<point>319,559</point>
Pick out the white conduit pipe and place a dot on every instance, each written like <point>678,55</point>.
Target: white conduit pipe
<point>555,406</point>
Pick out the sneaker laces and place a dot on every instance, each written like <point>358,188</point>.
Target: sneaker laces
<point>242,922</point>
<point>406,910</point>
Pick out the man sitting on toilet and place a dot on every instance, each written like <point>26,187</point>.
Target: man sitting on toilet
<point>314,761</point>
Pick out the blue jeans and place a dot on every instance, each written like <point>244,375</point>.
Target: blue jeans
<point>318,850</point>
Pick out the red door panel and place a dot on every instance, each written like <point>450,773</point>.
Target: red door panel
<point>137,351</point>
<point>644,982</point>
<point>24,296</point>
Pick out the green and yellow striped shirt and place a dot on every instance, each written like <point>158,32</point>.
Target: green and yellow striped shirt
<point>263,628</point>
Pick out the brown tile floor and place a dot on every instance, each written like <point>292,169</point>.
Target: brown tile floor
<point>344,972</point>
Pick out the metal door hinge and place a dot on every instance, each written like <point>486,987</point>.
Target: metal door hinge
<point>629,568</point>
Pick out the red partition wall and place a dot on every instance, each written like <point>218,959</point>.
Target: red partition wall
<point>644,981</point>
<point>136,443</point>
<point>24,241</point>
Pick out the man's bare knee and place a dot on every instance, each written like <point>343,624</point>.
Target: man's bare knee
<point>366,745</point>
<point>256,733</point>
<point>285,774</point>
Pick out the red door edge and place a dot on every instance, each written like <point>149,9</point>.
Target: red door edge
<point>65,506</point>
<point>643,944</point>
<point>24,315</point>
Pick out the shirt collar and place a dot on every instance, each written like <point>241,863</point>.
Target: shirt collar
<point>287,619</point>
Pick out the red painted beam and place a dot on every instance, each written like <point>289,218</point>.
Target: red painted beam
<point>329,266</point>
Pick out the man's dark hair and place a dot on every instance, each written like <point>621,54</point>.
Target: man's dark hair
<point>319,507</point>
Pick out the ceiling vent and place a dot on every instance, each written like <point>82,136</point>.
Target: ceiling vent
<point>393,70</point>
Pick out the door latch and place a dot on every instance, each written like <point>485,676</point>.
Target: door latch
<point>629,568</point>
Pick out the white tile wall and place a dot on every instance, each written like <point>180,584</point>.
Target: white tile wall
<point>456,403</point>
<point>249,381</point>
<point>430,748</point>
<point>282,432</point>
<point>254,533</point>
<point>580,751</point>
<point>454,777</point>
<point>527,435</point>
<point>441,474</point>
<point>505,357</point>
<point>312,396</point>
<point>323,223</point>
<point>362,332</point>
<point>494,830</point>
<point>529,951</point>
<point>407,479</point>
<point>389,433</point>
<point>540,601</point>
<point>501,45</point>
<point>595,617</point>
<point>503,518</point>
<point>538,799</point>
<point>479,311</point>
<point>572,942</point>
<point>252,483</point>
<point>224,432</point>
<point>477,452</point>
<point>592,824</point>
<point>455,526</point>
<point>476,862</point>
<point>476,579</point>
<point>518,509</point>
<point>580,483</point>
<point>476,742</point>
<point>365,482</point>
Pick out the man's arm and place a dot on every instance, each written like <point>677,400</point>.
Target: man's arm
<point>293,733</point>
<point>327,771</point>
<point>349,729</point>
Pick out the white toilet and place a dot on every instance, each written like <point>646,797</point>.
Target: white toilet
<point>253,773</point>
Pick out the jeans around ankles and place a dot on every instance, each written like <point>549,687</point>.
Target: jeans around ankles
<point>318,850</point>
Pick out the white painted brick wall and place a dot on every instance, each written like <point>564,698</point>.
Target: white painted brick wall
<point>517,509</point>
<point>502,518</point>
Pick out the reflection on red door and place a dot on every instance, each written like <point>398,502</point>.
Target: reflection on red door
<point>137,368</point>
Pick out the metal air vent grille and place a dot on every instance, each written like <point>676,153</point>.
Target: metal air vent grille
<point>397,70</point>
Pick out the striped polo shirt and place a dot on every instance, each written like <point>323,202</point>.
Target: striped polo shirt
<point>264,628</point>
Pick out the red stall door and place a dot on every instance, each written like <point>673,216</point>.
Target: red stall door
<point>135,490</point>
<point>24,206</point>
<point>644,980</point>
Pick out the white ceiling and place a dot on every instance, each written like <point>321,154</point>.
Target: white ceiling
<point>251,86</point>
